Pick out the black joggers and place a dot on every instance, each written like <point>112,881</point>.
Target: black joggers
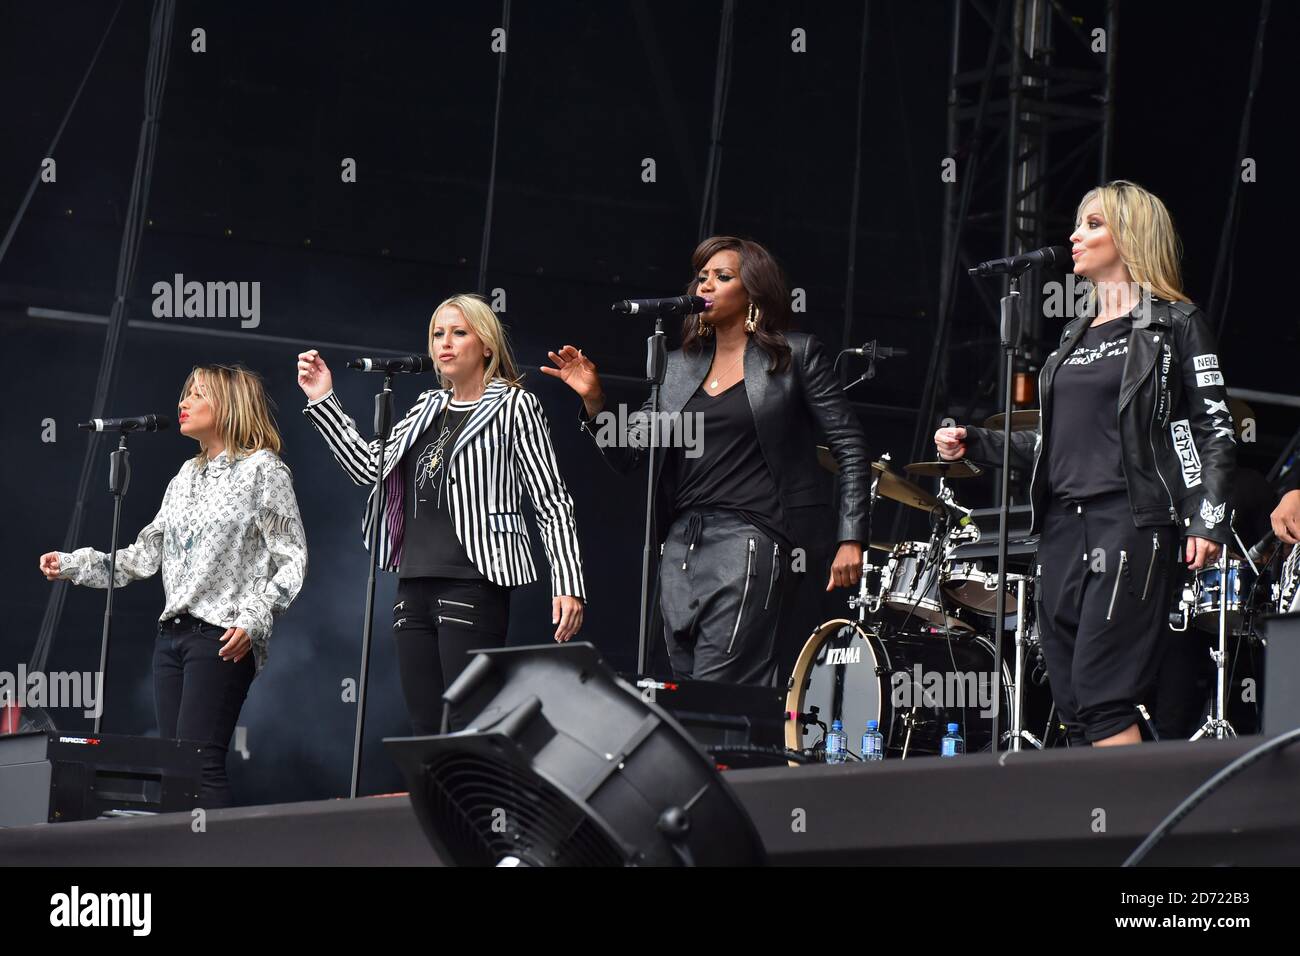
<point>722,582</point>
<point>1104,594</point>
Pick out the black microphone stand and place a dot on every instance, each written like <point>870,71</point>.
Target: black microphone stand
<point>1010,345</point>
<point>383,424</point>
<point>655,364</point>
<point>119,477</point>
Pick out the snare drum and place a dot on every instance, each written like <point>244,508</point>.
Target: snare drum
<point>1206,593</point>
<point>908,682</point>
<point>910,587</point>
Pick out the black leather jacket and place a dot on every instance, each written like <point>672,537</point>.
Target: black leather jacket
<point>789,407</point>
<point>1175,429</point>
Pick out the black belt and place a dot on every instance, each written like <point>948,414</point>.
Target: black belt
<point>185,622</point>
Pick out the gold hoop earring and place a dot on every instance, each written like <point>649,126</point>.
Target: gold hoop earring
<point>751,320</point>
<point>703,329</point>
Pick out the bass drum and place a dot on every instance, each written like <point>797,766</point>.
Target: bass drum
<point>913,684</point>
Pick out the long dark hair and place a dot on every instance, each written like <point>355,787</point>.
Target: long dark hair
<point>764,280</point>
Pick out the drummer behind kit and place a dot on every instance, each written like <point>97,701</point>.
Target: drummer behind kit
<point>921,653</point>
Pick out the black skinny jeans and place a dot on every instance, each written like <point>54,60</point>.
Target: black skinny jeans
<point>198,696</point>
<point>437,624</point>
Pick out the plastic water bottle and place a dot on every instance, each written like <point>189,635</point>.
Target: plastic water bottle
<point>837,743</point>
<point>873,742</point>
<point>952,745</point>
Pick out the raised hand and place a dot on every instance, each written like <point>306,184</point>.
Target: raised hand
<point>579,373</point>
<point>50,565</point>
<point>314,375</point>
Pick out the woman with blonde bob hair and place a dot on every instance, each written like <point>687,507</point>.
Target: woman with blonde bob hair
<point>455,468</point>
<point>1134,450</point>
<point>230,543</point>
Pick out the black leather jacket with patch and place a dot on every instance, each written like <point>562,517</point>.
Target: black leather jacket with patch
<point>1176,434</point>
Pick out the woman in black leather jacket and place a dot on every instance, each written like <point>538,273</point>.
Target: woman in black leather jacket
<point>1134,451</point>
<point>743,400</point>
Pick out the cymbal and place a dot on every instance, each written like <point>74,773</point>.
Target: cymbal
<point>943,469</point>
<point>897,488</point>
<point>1022,419</point>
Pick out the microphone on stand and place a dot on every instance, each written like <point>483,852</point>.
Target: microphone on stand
<point>1261,547</point>
<point>1049,256</point>
<point>140,423</point>
<point>676,305</point>
<point>874,351</point>
<point>397,363</point>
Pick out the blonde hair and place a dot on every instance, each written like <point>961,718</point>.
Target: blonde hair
<point>1144,237</point>
<point>480,317</point>
<point>240,407</point>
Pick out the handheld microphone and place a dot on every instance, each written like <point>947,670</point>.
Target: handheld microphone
<point>397,363</point>
<point>1058,256</point>
<point>140,423</point>
<point>677,305</point>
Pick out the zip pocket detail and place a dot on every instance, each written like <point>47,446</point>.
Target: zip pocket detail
<point>771,581</point>
<point>744,595</point>
<point>1119,573</point>
<point>400,622</point>
<point>455,620</point>
<point>442,601</point>
<point>1155,548</point>
<point>399,605</point>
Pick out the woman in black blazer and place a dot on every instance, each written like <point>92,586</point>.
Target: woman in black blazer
<point>748,399</point>
<point>454,467</point>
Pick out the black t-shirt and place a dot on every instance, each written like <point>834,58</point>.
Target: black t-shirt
<point>729,473</point>
<point>1084,458</point>
<point>430,548</point>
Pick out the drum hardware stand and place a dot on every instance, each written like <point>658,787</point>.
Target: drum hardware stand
<point>863,601</point>
<point>1017,733</point>
<point>1216,723</point>
<point>909,721</point>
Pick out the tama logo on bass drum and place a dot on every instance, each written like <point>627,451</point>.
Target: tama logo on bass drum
<point>843,655</point>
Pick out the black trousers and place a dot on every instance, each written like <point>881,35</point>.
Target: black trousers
<point>1105,589</point>
<point>722,583</point>
<point>198,695</point>
<point>437,623</point>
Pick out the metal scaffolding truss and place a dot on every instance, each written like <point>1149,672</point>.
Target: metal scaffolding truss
<point>1030,130</point>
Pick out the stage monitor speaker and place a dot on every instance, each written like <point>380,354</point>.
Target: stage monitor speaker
<point>739,725</point>
<point>49,777</point>
<point>1281,673</point>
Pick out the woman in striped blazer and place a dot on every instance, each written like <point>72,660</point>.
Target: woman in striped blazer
<point>452,528</point>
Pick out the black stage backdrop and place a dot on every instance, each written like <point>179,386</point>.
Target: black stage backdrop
<point>248,187</point>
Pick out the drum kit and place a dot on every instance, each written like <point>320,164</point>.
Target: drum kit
<point>918,654</point>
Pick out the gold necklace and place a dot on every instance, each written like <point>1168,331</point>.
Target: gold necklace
<point>714,384</point>
<point>436,461</point>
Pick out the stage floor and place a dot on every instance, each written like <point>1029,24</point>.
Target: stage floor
<point>1057,808</point>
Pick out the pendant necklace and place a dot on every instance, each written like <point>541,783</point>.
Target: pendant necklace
<point>714,384</point>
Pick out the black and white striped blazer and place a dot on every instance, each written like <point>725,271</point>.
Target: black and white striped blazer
<point>504,442</point>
